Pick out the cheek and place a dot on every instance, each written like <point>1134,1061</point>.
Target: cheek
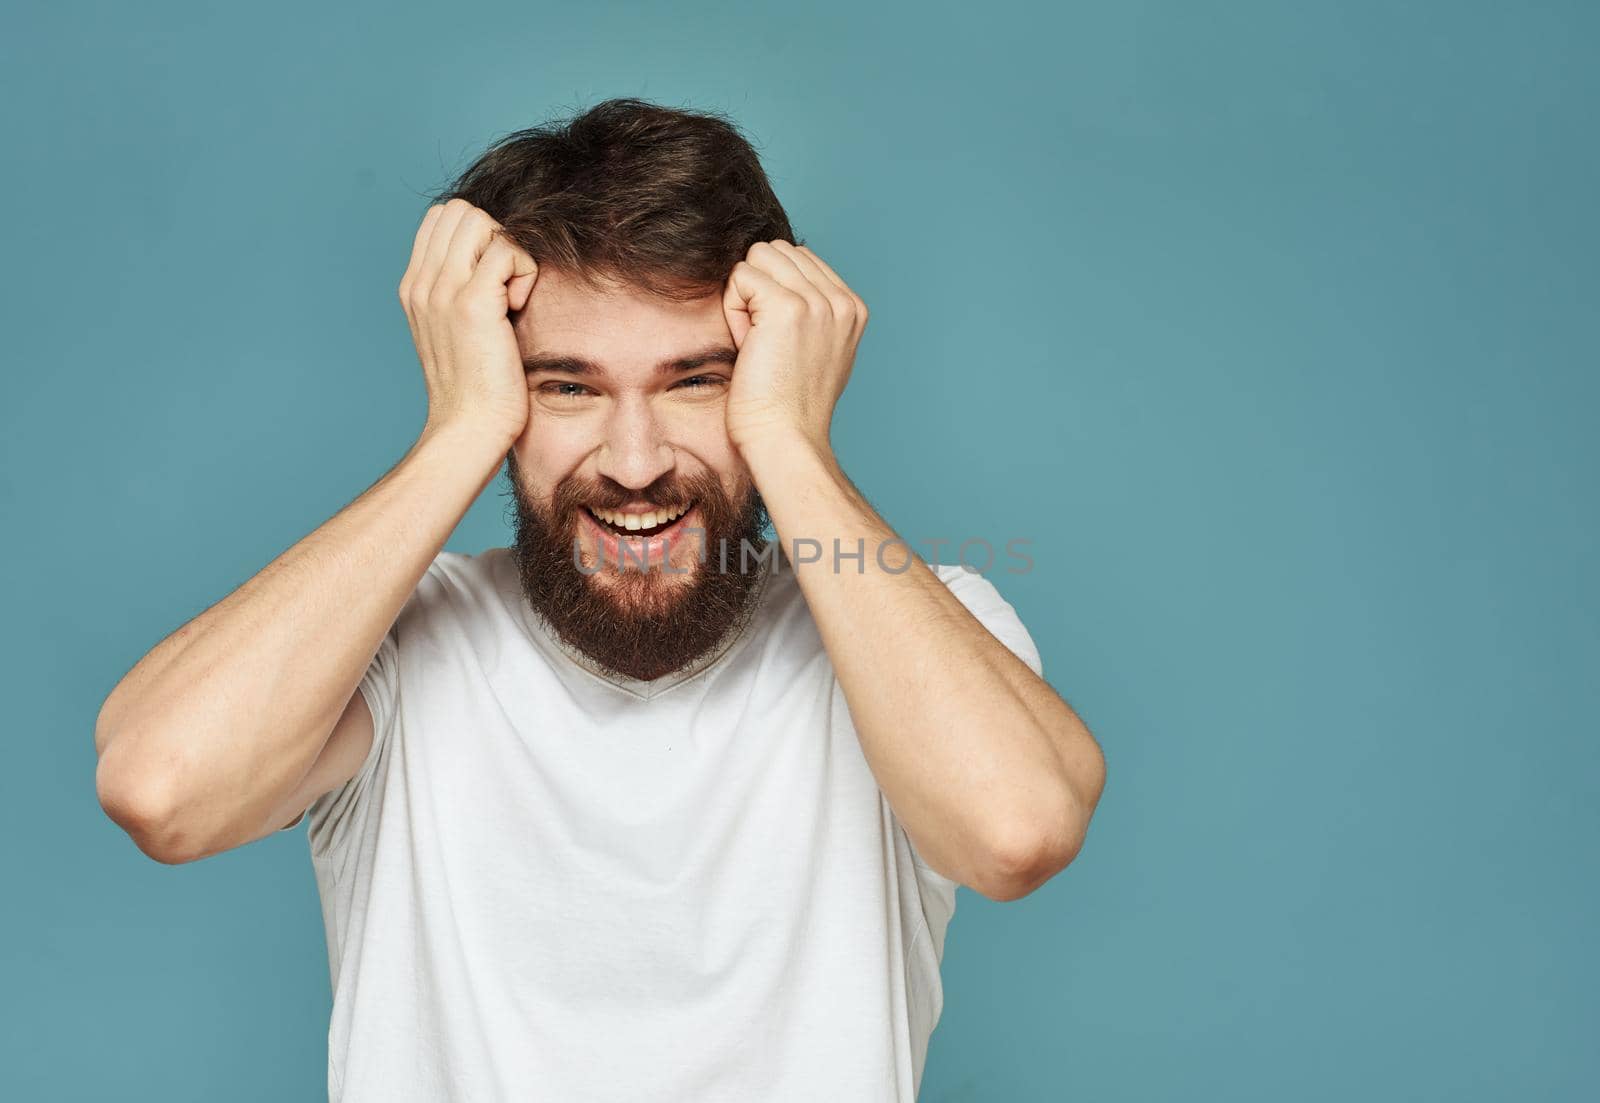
<point>553,446</point>
<point>700,428</point>
<point>703,435</point>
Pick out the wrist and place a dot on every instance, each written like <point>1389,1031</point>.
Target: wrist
<point>784,448</point>
<point>793,468</point>
<point>469,443</point>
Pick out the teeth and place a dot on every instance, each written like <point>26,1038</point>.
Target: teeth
<point>635,522</point>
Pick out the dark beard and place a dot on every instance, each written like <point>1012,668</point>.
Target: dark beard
<point>634,622</point>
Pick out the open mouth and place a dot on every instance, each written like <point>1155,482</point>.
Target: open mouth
<point>638,524</point>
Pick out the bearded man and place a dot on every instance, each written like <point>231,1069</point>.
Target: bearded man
<point>645,806</point>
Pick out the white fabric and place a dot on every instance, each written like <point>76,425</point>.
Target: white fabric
<point>543,884</point>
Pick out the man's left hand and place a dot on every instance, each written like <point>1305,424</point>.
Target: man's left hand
<point>796,326</point>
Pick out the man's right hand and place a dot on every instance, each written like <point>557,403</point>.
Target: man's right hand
<point>464,280</point>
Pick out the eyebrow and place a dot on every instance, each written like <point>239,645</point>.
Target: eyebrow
<point>576,365</point>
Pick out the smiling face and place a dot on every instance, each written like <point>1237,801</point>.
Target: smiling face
<point>625,479</point>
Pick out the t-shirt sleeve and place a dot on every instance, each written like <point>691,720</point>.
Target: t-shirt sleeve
<point>378,687</point>
<point>338,813</point>
<point>983,600</point>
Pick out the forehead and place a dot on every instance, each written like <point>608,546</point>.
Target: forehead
<point>619,328</point>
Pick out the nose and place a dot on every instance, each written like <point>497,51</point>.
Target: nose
<point>635,451</point>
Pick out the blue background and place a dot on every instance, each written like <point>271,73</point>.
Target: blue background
<point>1272,325</point>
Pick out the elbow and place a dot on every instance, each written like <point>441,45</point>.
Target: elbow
<point>144,810</point>
<point>1025,850</point>
<point>1018,867</point>
<point>1028,851</point>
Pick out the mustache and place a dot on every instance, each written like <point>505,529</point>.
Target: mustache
<point>669,492</point>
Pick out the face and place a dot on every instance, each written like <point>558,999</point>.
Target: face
<point>626,483</point>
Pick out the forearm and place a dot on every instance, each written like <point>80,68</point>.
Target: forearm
<point>991,771</point>
<point>225,716</point>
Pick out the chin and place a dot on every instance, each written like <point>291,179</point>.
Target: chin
<point>632,588</point>
<point>611,579</point>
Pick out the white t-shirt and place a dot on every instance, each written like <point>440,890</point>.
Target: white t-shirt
<point>548,884</point>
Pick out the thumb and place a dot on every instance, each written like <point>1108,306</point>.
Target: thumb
<point>736,312</point>
<point>519,289</point>
<point>509,265</point>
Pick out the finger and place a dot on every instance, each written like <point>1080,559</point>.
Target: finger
<point>751,294</point>
<point>736,295</point>
<point>419,246</point>
<point>522,269</point>
<point>439,241</point>
<point>412,292</point>
<point>472,238</point>
<point>838,296</point>
<point>861,306</point>
<point>504,267</point>
<point>519,289</point>
<point>822,265</point>
<point>765,256</point>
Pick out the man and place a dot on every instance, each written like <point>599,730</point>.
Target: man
<point>636,809</point>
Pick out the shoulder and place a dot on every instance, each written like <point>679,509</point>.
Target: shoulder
<point>952,572</point>
<point>457,585</point>
<point>984,601</point>
<point>969,584</point>
<point>467,573</point>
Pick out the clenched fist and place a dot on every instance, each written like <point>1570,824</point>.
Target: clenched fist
<point>464,280</point>
<point>796,326</point>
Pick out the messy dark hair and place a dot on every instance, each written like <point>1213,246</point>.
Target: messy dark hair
<point>662,199</point>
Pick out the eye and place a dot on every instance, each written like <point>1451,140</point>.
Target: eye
<point>564,388</point>
<point>700,382</point>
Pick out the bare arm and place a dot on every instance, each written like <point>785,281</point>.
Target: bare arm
<point>230,726</point>
<point>994,776</point>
